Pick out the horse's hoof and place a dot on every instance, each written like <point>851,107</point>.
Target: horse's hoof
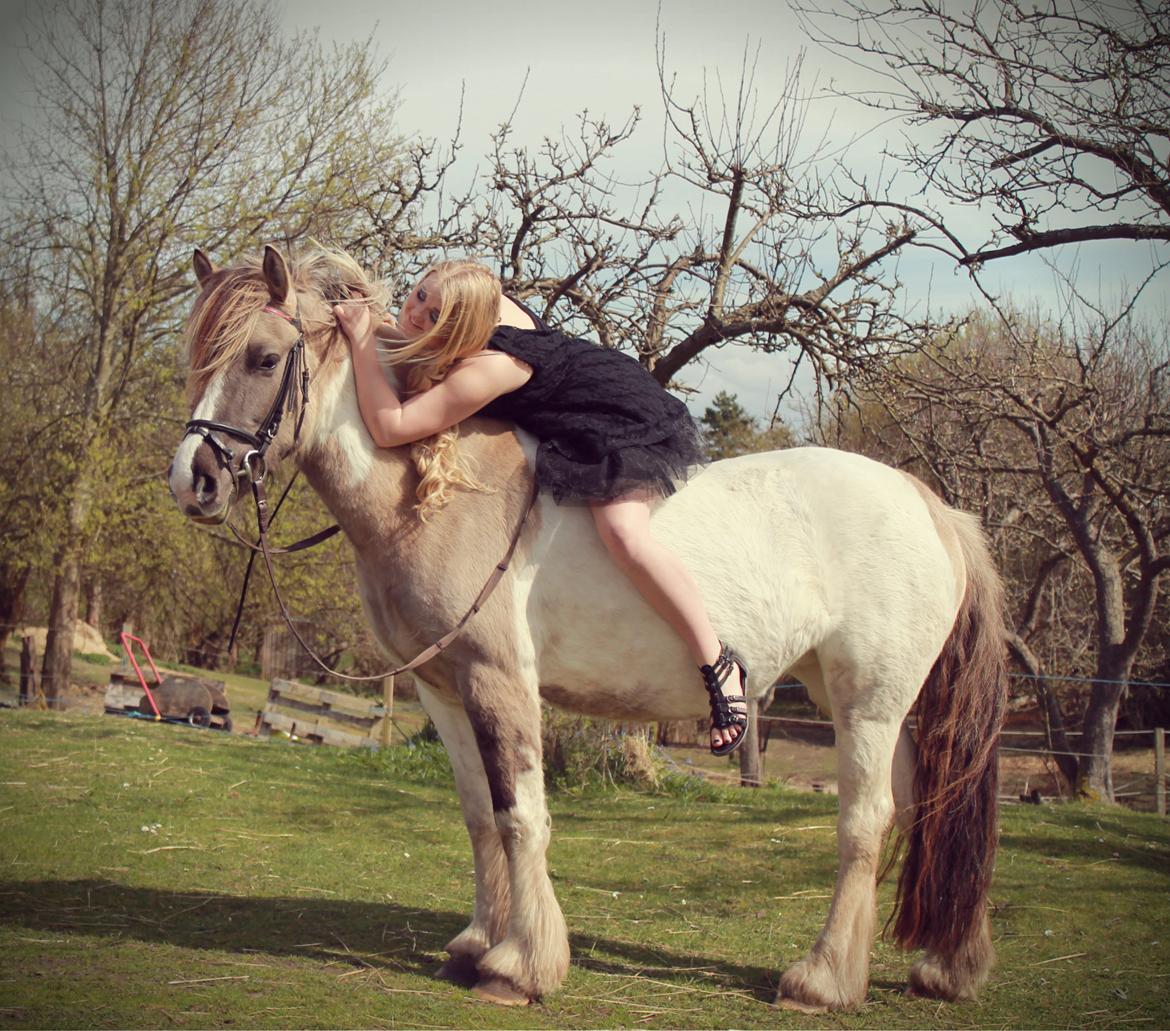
<point>460,970</point>
<point>785,1002</point>
<point>500,992</point>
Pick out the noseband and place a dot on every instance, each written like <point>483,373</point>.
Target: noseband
<point>286,400</point>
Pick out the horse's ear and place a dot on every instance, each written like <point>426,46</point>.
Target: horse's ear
<point>275,274</point>
<point>204,267</point>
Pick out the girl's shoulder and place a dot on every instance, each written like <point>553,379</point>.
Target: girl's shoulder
<point>497,367</point>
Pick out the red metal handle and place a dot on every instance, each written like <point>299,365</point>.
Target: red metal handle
<point>128,648</point>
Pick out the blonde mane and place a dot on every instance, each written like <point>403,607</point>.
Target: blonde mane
<point>225,314</point>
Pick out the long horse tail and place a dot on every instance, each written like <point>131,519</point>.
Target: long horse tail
<point>941,903</point>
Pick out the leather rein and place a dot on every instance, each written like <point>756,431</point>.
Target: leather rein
<point>253,465</point>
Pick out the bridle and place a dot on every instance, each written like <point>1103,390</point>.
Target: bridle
<point>286,399</point>
<point>254,467</point>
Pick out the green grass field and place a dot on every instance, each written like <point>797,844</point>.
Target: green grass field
<point>160,876</point>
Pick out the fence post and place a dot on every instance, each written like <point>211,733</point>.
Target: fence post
<point>388,705</point>
<point>751,774</point>
<point>28,671</point>
<point>1160,769</point>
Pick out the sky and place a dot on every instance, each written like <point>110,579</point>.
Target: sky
<point>599,55</point>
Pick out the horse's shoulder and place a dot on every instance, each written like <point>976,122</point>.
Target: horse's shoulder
<point>493,446</point>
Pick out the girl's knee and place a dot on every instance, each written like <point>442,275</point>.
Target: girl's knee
<point>625,541</point>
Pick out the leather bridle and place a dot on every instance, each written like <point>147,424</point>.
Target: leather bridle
<point>286,399</point>
<point>254,467</point>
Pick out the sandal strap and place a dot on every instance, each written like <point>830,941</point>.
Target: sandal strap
<point>714,677</point>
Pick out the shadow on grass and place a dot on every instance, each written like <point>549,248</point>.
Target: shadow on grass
<point>1091,837</point>
<point>364,934</point>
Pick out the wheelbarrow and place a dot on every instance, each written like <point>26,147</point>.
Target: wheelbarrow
<point>175,698</point>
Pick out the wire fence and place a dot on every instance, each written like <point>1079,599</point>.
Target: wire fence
<point>1156,736</point>
<point>1089,680</point>
<point>1010,740</point>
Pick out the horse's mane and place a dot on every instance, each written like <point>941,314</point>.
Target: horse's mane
<point>225,313</point>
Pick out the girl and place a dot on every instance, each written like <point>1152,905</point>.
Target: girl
<point>609,434</point>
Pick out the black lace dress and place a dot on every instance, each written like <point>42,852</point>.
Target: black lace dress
<point>605,425</point>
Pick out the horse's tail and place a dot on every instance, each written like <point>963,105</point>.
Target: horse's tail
<point>942,890</point>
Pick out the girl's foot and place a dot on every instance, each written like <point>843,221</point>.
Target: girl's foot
<point>728,711</point>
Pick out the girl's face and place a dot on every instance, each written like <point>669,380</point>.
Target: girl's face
<point>420,310</point>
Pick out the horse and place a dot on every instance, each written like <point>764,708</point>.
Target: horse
<point>817,564</point>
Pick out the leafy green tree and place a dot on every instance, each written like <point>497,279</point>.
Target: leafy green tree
<point>160,124</point>
<point>729,431</point>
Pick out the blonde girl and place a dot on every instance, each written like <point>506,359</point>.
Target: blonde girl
<point>609,435</point>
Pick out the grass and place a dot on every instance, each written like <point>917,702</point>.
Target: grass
<point>159,876</point>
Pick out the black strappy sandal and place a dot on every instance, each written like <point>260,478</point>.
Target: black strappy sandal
<point>723,715</point>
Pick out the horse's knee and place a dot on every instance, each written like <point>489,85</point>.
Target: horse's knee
<point>508,749</point>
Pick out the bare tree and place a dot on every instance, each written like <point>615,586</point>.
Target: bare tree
<point>735,238</point>
<point>1053,117</point>
<point>1062,443</point>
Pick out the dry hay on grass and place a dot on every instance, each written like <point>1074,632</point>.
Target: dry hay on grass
<point>86,640</point>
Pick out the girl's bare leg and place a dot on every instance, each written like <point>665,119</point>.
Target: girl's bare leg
<point>659,576</point>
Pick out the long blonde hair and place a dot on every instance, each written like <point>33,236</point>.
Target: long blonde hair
<point>469,310</point>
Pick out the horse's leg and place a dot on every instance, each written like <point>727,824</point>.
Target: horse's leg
<point>835,974</point>
<point>490,915</point>
<point>533,957</point>
<point>905,758</point>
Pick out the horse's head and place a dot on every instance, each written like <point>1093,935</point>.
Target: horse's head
<point>258,336</point>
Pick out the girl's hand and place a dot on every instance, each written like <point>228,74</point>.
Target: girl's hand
<point>388,330</point>
<point>355,323</point>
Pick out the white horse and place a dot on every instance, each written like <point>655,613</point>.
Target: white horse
<point>815,563</point>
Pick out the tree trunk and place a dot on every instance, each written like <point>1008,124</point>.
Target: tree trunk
<point>1056,733</point>
<point>28,672</point>
<point>1114,658</point>
<point>93,604</point>
<point>58,661</point>
<point>1095,777</point>
<point>12,586</point>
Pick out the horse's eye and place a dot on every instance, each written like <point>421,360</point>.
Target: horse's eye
<point>270,361</point>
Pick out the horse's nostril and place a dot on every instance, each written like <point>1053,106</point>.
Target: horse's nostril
<point>205,488</point>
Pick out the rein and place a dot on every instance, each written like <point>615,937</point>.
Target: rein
<point>253,465</point>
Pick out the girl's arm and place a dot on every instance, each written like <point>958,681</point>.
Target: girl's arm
<point>469,386</point>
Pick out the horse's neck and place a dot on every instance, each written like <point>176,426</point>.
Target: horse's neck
<point>370,491</point>
<point>367,489</point>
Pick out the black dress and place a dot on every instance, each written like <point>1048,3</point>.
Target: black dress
<point>606,427</point>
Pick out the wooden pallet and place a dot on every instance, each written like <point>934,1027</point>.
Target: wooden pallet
<point>321,717</point>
